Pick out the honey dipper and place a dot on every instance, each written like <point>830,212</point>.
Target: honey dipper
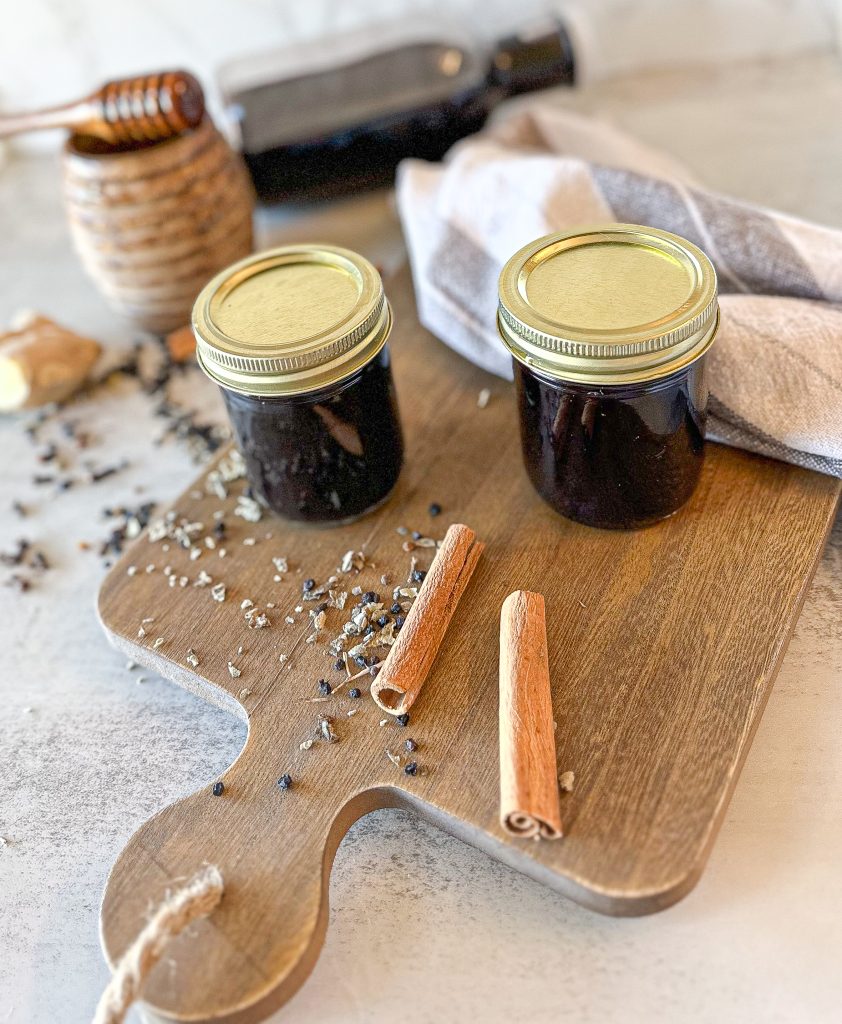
<point>147,108</point>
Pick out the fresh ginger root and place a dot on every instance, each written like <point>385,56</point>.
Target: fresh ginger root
<point>42,362</point>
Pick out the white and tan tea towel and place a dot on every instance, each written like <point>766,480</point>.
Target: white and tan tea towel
<point>776,368</point>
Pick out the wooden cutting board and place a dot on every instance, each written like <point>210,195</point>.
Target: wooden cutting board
<point>663,647</point>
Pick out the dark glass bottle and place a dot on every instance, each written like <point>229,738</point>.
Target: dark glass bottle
<point>339,115</point>
<point>296,339</point>
<point>609,329</point>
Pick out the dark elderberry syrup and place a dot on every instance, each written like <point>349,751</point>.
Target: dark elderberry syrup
<point>324,457</point>
<point>615,457</point>
<point>296,339</point>
<point>609,327</point>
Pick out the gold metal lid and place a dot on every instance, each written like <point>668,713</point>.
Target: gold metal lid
<point>608,304</point>
<point>291,320</point>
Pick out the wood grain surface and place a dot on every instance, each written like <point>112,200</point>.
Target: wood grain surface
<point>663,645</point>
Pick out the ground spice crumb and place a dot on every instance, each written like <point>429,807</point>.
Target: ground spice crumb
<point>483,398</point>
<point>245,692</point>
<point>158,641</point>
<point>218,789</point>
<point>218,592</point>
<point>235,672</point>
<point>565,781</point>
<point>305,745</point>
<point>384,721</point>
<point>327,731</point>
<point>352,712</point>
<point>396,761</point>
<point>191,658</point>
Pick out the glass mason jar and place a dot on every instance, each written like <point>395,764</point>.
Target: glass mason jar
<point>296,339</point>
<point>608,328</point>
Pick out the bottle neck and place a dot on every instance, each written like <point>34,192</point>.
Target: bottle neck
<point>533,59</point>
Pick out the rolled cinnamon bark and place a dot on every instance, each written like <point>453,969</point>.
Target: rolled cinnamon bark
<point>529,800</point>
<point>412,655</point>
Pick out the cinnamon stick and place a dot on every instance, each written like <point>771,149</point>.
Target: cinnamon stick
<point>412,655</point>
<point>529,800</point>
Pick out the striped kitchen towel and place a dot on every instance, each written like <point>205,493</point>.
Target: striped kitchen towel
<point>776,368</point>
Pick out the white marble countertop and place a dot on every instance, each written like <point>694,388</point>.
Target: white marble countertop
<point>89,752</point>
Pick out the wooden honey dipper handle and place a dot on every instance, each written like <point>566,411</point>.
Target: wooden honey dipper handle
<point>148,108</point>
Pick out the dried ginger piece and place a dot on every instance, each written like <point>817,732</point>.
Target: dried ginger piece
<point>42,362</point>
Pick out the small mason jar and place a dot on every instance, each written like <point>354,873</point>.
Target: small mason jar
<point>296,339</point>
<point>608,327</point>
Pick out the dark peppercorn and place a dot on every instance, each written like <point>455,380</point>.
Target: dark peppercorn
<point>435,509</point>
<point>218,789</point>
<point>418,575</point>
<point>219,530</point>
<point>403,720</point>
<point>374,670</point>
<point>396,609</point>
<point>399,621</point>
<point>339,664</point>
<point>411,745</point>
<point>285,781</point>
<point>417,535</point>
<point>369,597</point>
<point>360,660</point>
<point>368,630</point>
<point>355,693</point>
<point>325,689</point>
<point>308,585</point>
<point>383,621</point>
<point>411,768</point>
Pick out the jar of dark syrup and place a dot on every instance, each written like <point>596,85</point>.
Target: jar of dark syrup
<point>296,339</point>
<point>608,327</point>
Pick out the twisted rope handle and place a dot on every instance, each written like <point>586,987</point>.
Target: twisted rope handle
<point>196,899</point>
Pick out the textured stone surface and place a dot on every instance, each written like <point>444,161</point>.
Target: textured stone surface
<point>422,927</point>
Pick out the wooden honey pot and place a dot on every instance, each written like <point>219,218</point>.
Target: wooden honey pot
<point>153,224</point>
